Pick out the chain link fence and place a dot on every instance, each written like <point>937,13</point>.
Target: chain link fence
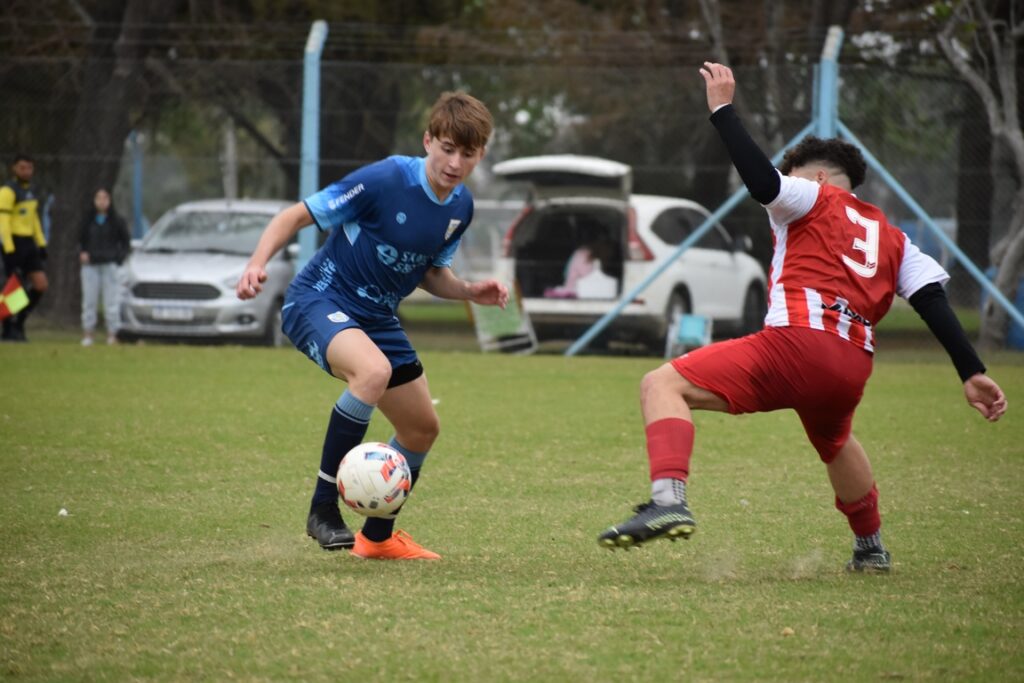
<point>232,128</point>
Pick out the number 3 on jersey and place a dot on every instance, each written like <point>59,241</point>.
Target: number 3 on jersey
<point>868,245</point>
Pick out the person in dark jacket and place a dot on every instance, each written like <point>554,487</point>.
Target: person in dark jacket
<point>104,243</point>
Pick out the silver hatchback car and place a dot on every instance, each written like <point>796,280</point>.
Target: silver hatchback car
<point>180,281</point>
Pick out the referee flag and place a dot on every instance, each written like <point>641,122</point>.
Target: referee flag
<point>12,298</point>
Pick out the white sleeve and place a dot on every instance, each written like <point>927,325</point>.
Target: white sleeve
<point>796,198</point>
<point>917,270</point>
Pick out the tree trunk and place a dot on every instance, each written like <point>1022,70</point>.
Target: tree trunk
<point>995,319</point>
<point>997,87</point>
<point>111,89</point>
<point>973,199</point>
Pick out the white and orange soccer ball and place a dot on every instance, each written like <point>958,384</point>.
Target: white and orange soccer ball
<point>374,479</point>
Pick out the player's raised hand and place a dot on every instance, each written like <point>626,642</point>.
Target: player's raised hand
<point>489,293</point>
<point>985,396</point>
<point>251,282</point>
<point>721,86</point>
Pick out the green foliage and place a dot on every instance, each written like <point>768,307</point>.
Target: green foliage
<point>186,472</point>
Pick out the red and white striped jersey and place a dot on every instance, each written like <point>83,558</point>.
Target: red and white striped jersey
<point>838,262</point>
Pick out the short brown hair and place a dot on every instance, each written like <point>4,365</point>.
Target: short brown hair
<point>834,152</point>
<point>463,118</point>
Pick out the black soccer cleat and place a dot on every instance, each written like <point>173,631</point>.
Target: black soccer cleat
<point>328,528</point>
<point>650,522</point>
<point>871,560</point>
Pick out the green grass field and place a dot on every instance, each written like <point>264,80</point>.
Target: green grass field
<point>186,472</point>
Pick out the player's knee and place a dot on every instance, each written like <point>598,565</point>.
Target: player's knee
<point>657,382</point>
<point>371,380</point>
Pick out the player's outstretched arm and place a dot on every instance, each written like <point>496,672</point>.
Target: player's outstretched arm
<point>281,229</point>
<point>985,396</point>
<point>443,283</point>
<point>981,391</point>
<point>755,169</point>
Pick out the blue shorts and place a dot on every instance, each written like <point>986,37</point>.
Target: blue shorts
<point>311,320</point>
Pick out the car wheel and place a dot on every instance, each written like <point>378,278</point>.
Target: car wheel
<point>272,334</point>
<point>678,306</point>
<point>754,309</point>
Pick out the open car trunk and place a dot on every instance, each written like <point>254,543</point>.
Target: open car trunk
<point>571,251</point>
<point>571,245</point>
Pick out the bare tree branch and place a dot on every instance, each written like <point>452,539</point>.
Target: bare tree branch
<point>998,91</point>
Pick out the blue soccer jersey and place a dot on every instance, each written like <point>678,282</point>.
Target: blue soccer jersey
<point>387,228</point>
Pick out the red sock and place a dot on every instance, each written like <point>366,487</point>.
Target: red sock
<point>669,445</point>
<point>862,514</point>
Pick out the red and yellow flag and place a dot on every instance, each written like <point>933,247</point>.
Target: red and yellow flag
<point>13,297</point>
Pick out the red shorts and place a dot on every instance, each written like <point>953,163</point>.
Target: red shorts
<point>817,374</point>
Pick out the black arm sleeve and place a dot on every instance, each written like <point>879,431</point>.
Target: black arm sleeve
<point>756,170</point>
<point>931,304</point>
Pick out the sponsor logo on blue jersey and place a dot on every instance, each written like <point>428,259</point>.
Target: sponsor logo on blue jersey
<point>326,275</point>
<point>401,217</point>
<point>379,296</point>
<point>400,262</point>
<point>343,199</point>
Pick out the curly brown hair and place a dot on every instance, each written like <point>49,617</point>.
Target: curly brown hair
<point>833,151</point>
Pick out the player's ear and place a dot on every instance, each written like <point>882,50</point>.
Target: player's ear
<point>426,140</point>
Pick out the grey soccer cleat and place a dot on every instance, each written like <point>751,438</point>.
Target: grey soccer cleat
<point>651,521</point>
<point>871,560</point>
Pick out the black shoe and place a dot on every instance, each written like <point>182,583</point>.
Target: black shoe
<point>870,560</point>
<point>651,521</point>
<point>328,528</point>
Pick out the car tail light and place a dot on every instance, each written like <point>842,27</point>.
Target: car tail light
<point>638,251</point>
<point>506,242</point>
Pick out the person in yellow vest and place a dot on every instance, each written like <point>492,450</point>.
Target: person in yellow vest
<point>22,241</point>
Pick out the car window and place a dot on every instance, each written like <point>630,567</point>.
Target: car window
<point>673,226</point>
<point>207,231</point>
<point>714,238</point>
<point>676,224</point>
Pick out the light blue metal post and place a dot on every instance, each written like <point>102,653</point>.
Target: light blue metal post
<point>309,177</point>
<point>827,90</point>
<point>960,256</point>
<point>139,224</point>
<point>694,237</point>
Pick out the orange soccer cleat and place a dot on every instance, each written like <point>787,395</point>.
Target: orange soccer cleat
<point>399,547</point>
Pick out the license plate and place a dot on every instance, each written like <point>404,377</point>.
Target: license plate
<point>177,313</point>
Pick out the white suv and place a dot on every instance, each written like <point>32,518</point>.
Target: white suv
<point>586,202</point>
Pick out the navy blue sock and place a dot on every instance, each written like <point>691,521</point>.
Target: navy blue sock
<point>379,529</point>
<point>345,430</point>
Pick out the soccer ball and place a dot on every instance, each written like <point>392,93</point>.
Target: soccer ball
<point>374,479</point>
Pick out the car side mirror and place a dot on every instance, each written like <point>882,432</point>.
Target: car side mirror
<point>743,243</point>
